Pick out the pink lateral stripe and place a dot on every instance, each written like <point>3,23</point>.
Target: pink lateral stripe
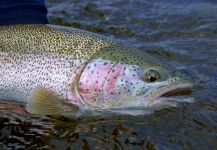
<point>111,81</point>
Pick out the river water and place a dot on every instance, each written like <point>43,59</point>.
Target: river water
<point>181,32</point>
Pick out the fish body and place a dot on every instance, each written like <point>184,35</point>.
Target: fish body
<point>56,70</point>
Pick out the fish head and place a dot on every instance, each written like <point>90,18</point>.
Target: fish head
<point>123,77</point>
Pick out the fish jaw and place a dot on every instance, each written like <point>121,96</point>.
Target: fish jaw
<point>155,96</point>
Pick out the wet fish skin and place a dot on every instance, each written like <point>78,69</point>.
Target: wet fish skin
<point>45,55</point>
<point>61,60</point>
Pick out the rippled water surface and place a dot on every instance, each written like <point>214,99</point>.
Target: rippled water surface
<point>180,32</point>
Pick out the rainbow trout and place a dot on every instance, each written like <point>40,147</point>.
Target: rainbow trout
<point>59,70</point>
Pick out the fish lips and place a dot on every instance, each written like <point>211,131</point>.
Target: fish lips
<point>167,91</point>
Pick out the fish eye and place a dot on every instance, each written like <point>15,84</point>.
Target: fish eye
<point>152,76</point>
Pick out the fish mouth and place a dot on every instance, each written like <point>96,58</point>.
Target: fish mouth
<point>172,90</point>
<point>177,90</point>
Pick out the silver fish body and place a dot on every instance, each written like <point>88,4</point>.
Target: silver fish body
<point>80,68</point>
<point>32,55</point>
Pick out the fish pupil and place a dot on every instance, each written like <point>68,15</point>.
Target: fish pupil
<point>152,79</point>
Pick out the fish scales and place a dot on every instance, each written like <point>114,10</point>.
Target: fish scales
<point>51,39</point>
<point>55,69</point>
<point>48,54</point>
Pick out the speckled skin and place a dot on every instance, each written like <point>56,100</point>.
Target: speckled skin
<point>51,56</point>
<point>45,55</point>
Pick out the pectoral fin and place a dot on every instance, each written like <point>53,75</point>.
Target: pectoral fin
<point>43,102</point>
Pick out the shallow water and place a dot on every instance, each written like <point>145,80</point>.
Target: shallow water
<point>182,33</point>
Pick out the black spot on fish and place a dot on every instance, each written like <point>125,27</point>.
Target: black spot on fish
<point>96,81</point>
<point>113,70</point>
<point>105,63</point>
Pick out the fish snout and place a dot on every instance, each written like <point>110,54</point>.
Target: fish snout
<point>185,79</point>
<point>187,76</point>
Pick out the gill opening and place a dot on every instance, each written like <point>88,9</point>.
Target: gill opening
<point>78,72</point>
